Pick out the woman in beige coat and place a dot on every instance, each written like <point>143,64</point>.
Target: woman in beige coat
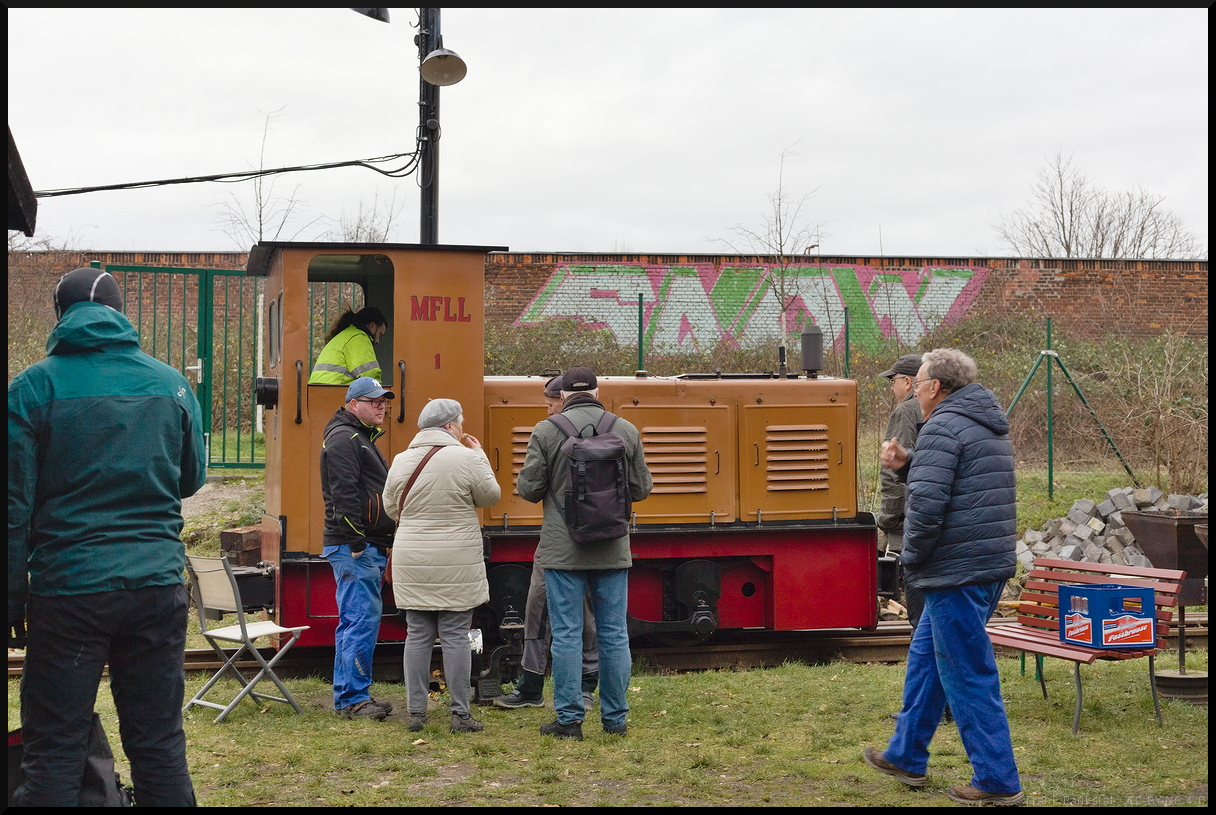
<point>439,575</point>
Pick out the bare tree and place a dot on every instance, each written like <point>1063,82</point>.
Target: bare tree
<point>267,215</point>
<point>783,236</point>
<point>370,225</point>
<point>1070,217</point>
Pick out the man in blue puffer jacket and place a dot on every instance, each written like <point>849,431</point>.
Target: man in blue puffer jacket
<point>960,538</point>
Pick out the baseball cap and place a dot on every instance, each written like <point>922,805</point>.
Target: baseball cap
<point>579,378</point>
<point>907,365</point>
<point>553,388</point>
<point>367,388</point>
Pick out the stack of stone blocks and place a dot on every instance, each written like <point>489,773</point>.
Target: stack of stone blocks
<point>1095,533</point>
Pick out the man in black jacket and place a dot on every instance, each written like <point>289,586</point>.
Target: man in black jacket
<point>358,534</point>
<point>960,538</point>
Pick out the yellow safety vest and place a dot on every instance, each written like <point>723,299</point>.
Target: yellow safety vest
<point>345,358</point>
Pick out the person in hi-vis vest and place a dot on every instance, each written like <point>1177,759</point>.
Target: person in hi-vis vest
<point>349,351</point>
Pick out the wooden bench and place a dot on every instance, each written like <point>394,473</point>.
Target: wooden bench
<point>1037,630</point>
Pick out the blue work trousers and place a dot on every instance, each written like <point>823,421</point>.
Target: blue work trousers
<point>950,660</point>
<point>358,578</point>
<point>609,591</point>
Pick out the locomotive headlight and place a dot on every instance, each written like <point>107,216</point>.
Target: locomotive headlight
<point>266,391</point>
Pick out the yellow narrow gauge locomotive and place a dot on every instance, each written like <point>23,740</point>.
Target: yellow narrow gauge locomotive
<point>754,520</point>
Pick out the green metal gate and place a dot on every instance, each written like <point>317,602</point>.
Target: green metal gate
<point>204,323</point>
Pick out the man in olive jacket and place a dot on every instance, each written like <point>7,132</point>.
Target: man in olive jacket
<point>901,426</point>
<point>571,569</point>
<point>103,443</point>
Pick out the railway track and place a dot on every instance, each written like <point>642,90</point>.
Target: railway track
<point>737,650</point>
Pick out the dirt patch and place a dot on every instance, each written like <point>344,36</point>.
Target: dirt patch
<point>216,500</point>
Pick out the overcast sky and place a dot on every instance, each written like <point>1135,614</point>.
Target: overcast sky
<point>590,130</point>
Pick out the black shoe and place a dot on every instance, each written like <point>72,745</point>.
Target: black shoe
<point>386,706</point>
<point>465,724</point>
<point>363,710</point>
<point>619,730</point>
<point>517,698</point>
<point>563,731</point>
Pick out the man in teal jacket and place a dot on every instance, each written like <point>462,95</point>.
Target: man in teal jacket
<point>103,443</point>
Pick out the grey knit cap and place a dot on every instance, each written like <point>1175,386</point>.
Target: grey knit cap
<point>439,412</point>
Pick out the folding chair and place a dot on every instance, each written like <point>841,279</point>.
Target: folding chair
<point>214,587</point>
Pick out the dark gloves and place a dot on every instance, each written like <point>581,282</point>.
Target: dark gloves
<point>888,523</point>
<point>16,633</point>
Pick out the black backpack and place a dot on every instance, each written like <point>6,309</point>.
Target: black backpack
<point>598,503</point>
<point>101,786</point>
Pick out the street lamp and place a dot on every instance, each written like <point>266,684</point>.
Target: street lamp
<point>437,67</point>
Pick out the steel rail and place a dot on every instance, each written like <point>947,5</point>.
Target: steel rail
<point>728,649</point>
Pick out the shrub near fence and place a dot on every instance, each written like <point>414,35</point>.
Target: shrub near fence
<point>1151,394</point>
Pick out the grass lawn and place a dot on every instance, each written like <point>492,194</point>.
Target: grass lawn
<point>787,736</point>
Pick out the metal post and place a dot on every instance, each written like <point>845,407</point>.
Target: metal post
<point>640,338</point>
<point>846,342</point>
<point>1051,481</point>
<point>1025,383</point>
<point>1093,413</point>
<point>428,130</point>
<point>1053,358</point>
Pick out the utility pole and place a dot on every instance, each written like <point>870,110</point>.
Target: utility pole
<point>428,40</point>
<point>436,67</point>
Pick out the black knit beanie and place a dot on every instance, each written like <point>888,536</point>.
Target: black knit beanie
<point>92,285</point>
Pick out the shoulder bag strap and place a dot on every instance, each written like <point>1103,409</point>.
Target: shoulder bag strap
<point>410,483</point>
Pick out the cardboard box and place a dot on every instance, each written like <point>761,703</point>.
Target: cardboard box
<point>1108,616</point>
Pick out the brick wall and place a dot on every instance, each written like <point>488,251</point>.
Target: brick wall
<point>701,299</point>
<point>1139,298</point>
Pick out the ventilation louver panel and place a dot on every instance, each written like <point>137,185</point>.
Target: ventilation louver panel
<point>796,457</point>
<point>519,451</point>
<point>678,458</point>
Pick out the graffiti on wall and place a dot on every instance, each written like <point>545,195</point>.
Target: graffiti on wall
<point>695,306</point>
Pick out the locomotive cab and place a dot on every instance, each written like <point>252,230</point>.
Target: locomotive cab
<point>432,298</point>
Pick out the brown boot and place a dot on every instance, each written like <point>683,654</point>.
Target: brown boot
<point>972,797</point>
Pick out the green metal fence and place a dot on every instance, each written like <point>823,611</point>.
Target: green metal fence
<point>204,323</point>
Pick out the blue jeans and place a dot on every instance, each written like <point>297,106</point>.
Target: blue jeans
<point>358,578</point>
<point>609,600</point>
<point>950,660</point>
<point>141,633</point>
<point>537,636</point>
